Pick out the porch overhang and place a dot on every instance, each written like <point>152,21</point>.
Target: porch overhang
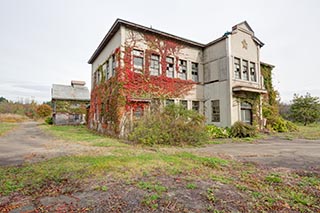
<point>248,89</point>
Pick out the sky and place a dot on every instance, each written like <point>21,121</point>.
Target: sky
<point>45,42</point>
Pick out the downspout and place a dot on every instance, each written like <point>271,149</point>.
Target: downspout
<point>229,79</point>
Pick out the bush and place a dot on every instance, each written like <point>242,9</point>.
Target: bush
<point>218,132</point>
<point>44,110</point>
<point>241,130</point>
<point>282,125</point>
<point>49,120</point>
<point>174,126</point>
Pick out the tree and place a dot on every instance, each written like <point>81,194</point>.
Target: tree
<point>305,109</point>
<point>3,99</point>
<point>44,110</point>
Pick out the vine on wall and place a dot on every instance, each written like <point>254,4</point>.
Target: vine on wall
<point>112,99</point>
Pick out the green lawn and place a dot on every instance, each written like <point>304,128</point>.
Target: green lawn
<point>81,134</point>
<point>310,132</point>
<point>5,127</point>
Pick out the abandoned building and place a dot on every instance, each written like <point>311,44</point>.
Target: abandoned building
<point>135,66</point>
<point>70,103</point>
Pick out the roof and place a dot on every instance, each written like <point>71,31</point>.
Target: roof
<point>120,22</point>
<point>116,25</point>
<point>66,92</point>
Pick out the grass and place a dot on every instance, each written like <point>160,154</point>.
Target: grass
<point>310,132</point>
<point>81,134</point>
<point>6,127</point>
<point>12,118</point>
<point>140,167</point>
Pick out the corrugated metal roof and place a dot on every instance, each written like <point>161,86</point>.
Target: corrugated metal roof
<point>66,92</point>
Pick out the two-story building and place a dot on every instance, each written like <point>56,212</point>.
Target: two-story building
<point>135,66</point>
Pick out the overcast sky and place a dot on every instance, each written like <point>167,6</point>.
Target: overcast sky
<point>50,41</point>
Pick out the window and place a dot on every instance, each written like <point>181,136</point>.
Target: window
<point>138,112</point>
<point>215,107</point>
<point>77,117</point>
<point>237,73</point>
<point>245,74</point>
<point>169,102</point>
<point>154,65</point>
<point>107,70</point>
<point>137,61</point>
<point>194,72</point>
<point>253,75</point>
<point>195,106</point>
<point>170,67</point>
<point>183,69</point>
<point>97,77</point>
<point>113,65</point>
<point>246,112</point>
<point>184,103</point>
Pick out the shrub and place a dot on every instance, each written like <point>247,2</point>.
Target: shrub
<point>174,126</point>
<point>281,125</point>
<point>49,120</point>
<point>44,110</point>
<point>218,132</point>
<point>241,130</point>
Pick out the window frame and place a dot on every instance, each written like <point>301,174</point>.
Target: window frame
<point>215,111</point>
<point>168,67</point>
<point>183,67</point>
<point>197,108</point>
<point>245,70</point>
<point>237,68</point>
<point>137,54</point>
<point>253,74</point>
<point>195,71</point>
<point>153,62</point>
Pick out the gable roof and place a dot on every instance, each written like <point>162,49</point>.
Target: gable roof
<point>120,22</point>
<point>66,92</point>
<point>116,26</point>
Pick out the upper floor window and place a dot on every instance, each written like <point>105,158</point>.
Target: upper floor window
<point>154,65</point>
<point>183,69</point>
<point>237,72</point>
<point>195,72</point>
<point>215,113</point>
<point>245,74</point>
<point>107,70</point>
<point>137,61</point>
<point>170,67</point>
<point>253,74</point>
<point>113,62</point>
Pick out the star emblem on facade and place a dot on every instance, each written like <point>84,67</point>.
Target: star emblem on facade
<point>244,44</point>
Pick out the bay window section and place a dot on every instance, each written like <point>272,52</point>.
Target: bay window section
<point>253,74</point>
<point>245,74</point>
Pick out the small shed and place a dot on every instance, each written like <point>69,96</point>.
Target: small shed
<point>70,103</point>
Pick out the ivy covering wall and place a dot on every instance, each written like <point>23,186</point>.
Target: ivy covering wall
<point>112,100</point>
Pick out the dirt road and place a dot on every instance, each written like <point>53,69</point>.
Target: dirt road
<point>28,143</point>
<point>274,152</point>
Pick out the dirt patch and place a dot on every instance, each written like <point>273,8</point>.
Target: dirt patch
<point>29,144</point>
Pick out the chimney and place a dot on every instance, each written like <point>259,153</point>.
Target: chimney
<point>77,83</point>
